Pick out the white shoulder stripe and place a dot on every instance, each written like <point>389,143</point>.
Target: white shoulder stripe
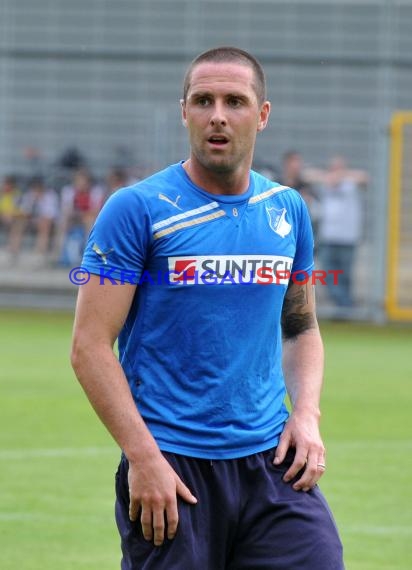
<point>190,223</point>
<point>266,194</point>
<point>183,215</point>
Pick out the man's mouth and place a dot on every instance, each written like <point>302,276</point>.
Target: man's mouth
<point>218,140</point>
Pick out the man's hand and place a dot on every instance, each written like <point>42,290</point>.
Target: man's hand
<point>153,488</point>
<point>302,433</point>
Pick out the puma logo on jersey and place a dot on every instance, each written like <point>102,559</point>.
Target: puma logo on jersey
<point>100,253</point>
<point>167,199</point>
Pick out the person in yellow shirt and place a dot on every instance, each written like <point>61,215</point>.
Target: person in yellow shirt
<point>9,200</point>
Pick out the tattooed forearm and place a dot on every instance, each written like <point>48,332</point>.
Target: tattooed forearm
<point>294,325</point>
<point>298,311</point>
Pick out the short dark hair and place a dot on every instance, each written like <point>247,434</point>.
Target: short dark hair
<point>228,54</point>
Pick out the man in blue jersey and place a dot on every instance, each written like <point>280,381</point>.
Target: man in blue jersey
<point>202,272</point>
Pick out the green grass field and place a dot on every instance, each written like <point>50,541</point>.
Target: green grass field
<point>58,463</point>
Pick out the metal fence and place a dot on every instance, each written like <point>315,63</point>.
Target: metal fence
<point>105,77</point>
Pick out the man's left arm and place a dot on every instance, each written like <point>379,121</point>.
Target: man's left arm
<point>303,371</point>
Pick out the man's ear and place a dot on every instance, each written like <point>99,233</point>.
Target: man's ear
<point>183,107</point>
<point>264,116</point>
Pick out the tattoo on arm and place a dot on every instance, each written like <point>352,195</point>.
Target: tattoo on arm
<point>298,311</point>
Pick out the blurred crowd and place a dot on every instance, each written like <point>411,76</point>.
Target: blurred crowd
<point>51,216</point>
<point>334,198</point>
<point>50,211</point>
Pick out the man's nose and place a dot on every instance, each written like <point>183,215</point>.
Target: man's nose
<point>218,116</point>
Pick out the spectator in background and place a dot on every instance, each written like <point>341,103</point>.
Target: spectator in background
<point>340,225</point>
<point>80,204</point>
<point>9,200</point>
<point>116,178</point>
<point>292,176</point>
<point>38,210</point>
<point>72,159</point>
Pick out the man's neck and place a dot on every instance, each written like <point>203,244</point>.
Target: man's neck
<point>230,183</point>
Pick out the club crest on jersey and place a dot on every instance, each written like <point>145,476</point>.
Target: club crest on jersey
<point>277,221</point>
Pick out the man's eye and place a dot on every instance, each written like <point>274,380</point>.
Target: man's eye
<point>203,101</point>
<point>234,102</point>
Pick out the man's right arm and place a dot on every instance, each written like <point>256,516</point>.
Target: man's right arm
<point>153,485</point>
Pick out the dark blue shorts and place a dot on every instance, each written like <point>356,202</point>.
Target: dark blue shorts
<point>246,518</point>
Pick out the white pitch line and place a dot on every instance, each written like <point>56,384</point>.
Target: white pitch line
<point>17,454</point>
<point>377,530</point>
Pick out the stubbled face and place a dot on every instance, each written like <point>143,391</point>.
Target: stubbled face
<point>223,117</point>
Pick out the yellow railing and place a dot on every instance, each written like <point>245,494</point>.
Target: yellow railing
<point>397,308</point>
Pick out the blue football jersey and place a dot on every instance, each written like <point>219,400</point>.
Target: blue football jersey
<point>202,346</point>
